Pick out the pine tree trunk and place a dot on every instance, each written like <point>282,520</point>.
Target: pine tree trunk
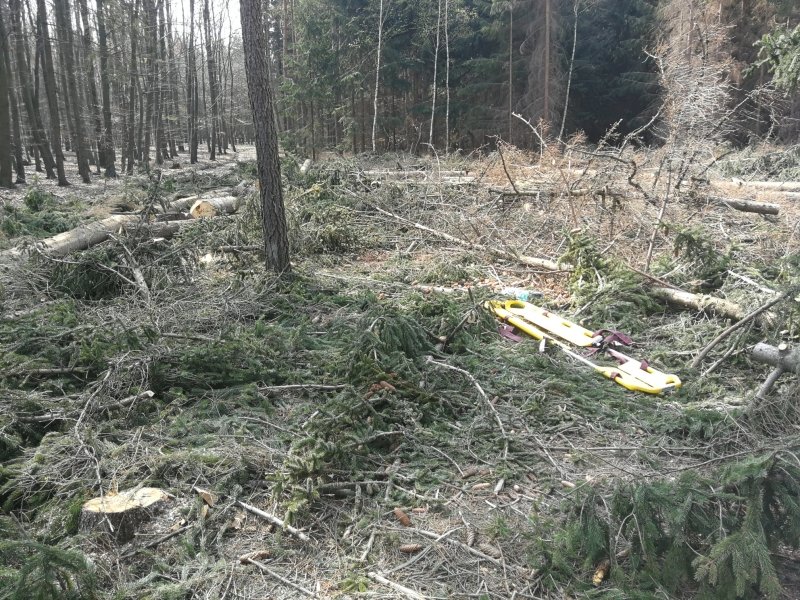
<point>230,112</point>
<point>6,172</point>
<point>212,81</point>
<point>160,53</point>
<point>132,87</point>
<point>93,98</point>
<point>107,139</point>
<point>435,72</point>
<point>29,99</point>
<point>46,50</point>
<point>152,45</point>
<point>64,24</point>
<point>276,242</point>
<point>547,17</point>
<point>377,76</point>
<point>19,162</point>
<point>174,88</point>
<point>191,91</point>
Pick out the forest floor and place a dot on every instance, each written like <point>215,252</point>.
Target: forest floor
<point>369,401</point>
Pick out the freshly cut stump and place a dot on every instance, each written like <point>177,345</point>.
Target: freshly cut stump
<point>122,514</point>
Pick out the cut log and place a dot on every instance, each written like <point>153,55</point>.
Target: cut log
<point>775,186</point>
<point>94,233</point>
<point>122,514</point>
<point>762,208</point>
<point>777,356</point>
<point>702,302</point>
<point>205,208</point>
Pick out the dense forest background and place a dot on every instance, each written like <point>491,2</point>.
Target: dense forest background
<point>109,79</point>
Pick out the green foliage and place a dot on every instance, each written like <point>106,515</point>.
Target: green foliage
<point>714,533</point>
<point>707,263</point>
<point>37,199</point>
<point>39,218</point>
<point>31,570</point>
<point>90,275</point>
<point>611,295</point>
<point>779,51</point>
<point>319,223</point>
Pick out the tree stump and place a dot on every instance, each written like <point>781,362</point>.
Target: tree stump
<point>122,514</point>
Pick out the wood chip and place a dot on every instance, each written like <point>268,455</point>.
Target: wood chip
<point>207,496</point>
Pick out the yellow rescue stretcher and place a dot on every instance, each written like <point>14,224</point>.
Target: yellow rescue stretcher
<point>541,324</point>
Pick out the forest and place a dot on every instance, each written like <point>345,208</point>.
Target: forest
<point>493,299</point>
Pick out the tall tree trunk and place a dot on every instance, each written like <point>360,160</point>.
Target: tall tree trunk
<point>212,80</point>
<point>93,98</point>
<point>6,171</point>
<point>64,24</point>
<point>377,76</point>
<point>160,54</point>
<point>435,71</point>
<point>132,86</point>
<point>46,50</point>
<point>29,99</point>
<point>231,114</point>
<point>447,76</point>
<point>107,139</point>
<point>276,242</point>
<point>191,90</point>
<point>19,162</point>
<point>511,68</point>
<point>175,109</point>
<point>151,38</point>
<point>547,18</point>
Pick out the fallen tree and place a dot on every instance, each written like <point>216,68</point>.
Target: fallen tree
<point>90,234</point>
<point>750,206</point>
<point>705,303</point>
<point>775,186</point>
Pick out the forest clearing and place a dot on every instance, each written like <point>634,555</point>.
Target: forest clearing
<point>463,300</point>
<point>369,401</point>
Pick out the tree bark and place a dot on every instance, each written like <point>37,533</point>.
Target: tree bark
<point>64,24</point>
<point>377,76</point>
<point>211,64</point>
<point>762,208</point>
<point>19,162</point>
<point>134,61</point>
<point>107,139</point>
<point>29,99</point>
<point>276,242</point>
<point>93,98</point>
<point>785,358</point>
<point>702,302</point>
<point>46,50</point>
<point>6,174</point>
<point>191,91</point>
<point>151,19</point>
